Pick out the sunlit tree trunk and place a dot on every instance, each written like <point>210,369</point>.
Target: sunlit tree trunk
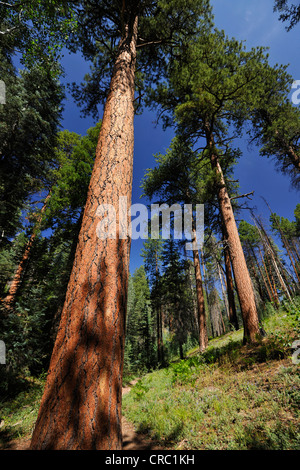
<point>203,338</point>
<point>81,404</point>
<point>241,274</point>
<point>230,286</point>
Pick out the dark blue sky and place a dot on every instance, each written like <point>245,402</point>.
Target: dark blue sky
<point>255,22</point>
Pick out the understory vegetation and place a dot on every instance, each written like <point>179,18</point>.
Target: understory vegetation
<point>232,396</point>
<point>208,321</point>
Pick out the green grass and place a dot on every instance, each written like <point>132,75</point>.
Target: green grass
<point>232,397</point>
<point>18,412</point>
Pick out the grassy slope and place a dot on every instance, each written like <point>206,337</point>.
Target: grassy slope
<point>232,397</point>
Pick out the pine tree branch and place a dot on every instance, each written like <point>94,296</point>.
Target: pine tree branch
<point>247,195</point>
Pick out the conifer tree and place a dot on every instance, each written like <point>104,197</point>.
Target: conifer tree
<point>29,124</point>
<point>176,295</point>
<point>275,121</point>
<point>152,255</point>
<point>179,178</point>
<point>287,233</point>
<point>82,398</point>
<point>288,12</point>
<point>139,329</point>
<point>206,91</point>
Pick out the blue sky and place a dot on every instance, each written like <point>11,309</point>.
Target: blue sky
<point>254,22</point>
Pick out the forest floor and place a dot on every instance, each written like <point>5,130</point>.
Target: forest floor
<point>231,397</point>
<point>131,439</point>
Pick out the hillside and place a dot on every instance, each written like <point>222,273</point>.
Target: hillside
<point>231,397</point>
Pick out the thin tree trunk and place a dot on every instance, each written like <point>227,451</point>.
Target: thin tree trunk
<point>295,250</point>
<point>205,286</point>
<point>160,348</point>
<point>262,275</point>
<point>160,352</point>
<point>17,280</point>
<point>81,404</point>
<point>273,293</point>
<point>233,320</point>
<point>266,241</point>
<point>261,293</point>
<point>195,308</point>
<point>241,274</point>
<point>203,338</point>
<point>223,292</point>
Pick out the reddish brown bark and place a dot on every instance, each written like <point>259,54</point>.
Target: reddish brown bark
<point>233,320</point>
<point>16,282</point>
<point>203,338</point>
<point>81,405</point>
<point>241,274</point>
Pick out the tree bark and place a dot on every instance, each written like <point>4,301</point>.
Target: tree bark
<point>81,404</point>
<point>233,320</point>
<point>241,274</point>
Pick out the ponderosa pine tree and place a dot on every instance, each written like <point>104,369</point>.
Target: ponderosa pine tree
<point>250,240</point>
<point>275,263</point>
<point>139,328</point>
<point>28,128</point>
<point>212,256</point>
<point>179,178</point>
<point>68,180</point>
<point>206,91</point>
<point>275,121</point>
<point>232,313</point>
<point>287,233</point>
<point>288,12</point>
<point>152,254</point>
<point>30,328</point>
<point>81,405</point>
<point>9,300</point>
<point>176,296</point>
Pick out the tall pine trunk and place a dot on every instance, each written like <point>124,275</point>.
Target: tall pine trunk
<point>203,337</point>
<point>18,276</point>
<point>233,320</point>
<point>81,404</point>
<point>240,270</point>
